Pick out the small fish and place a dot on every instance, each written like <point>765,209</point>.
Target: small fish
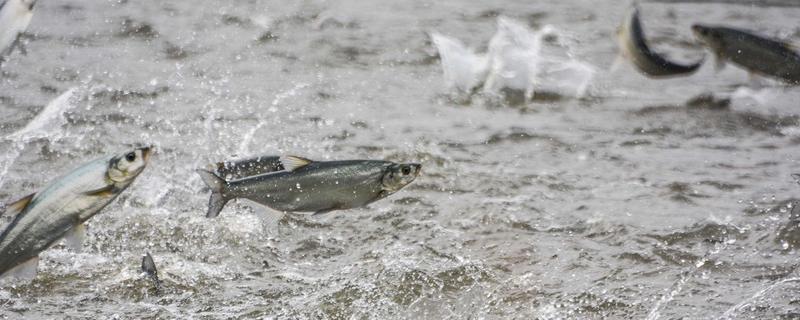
<point>755,53</point>
<point>62,207</point>
<point>313,186</point>
<point>634,47</point>
<point>149,268</point>
<point>15,15</point>
<point>232,170</point>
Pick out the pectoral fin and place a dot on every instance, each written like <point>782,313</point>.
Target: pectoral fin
<point>25,271</point>
<point>106,191</point>
<point>19,205</point>
<point>267,215</point>
<point>75,236</point>
<point>292,163</point>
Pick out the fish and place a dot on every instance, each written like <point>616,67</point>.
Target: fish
<point>149,268</point>
<point>313,186</point>
<point>231,170</point>
<point>61,208</point>
<point>757,54</point>
<point>634,47</point>
<point>15,16</point>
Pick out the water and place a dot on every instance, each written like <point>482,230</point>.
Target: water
<point>637,198</point>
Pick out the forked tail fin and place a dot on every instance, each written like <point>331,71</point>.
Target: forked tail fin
<point>218,187</point>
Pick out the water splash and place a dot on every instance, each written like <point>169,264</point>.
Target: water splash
<point>567,76</point>
<point>464,70</point>
<point>514,56</point>
<point>730,313</point>
<point>515,62</point>
<point>677,287</point>
<point>760,96</point>
<point>40,127</point>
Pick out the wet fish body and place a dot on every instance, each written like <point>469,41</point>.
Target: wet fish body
<point>232,170</point>
<point>314,186</point>
<point>61,208</point>
<point>635,48</point>
<point>15,15</point>
<point>753,52</point>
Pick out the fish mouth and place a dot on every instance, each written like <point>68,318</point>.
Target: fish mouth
<point>417,168</point>
<point>699,30</point>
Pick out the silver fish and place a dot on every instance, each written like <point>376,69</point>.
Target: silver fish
<point>634,47</point>
<point>232,170</point>
<point>62,207</point>
<point>15,15</point>
<point>755,53</point>
<point>313,186</point>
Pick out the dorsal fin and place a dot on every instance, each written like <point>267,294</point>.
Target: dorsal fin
<point>19,205</point>
<point>292,163</point>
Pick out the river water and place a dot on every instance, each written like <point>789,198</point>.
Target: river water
<point>636,198</point>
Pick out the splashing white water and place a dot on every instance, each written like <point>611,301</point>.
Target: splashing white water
<point>676,289</point>
<point>515,61</point>
<point>514,55</point>
<point>40,127</point>
<point>464,70</point>
<point>730,313</point>
<point>566,76</point>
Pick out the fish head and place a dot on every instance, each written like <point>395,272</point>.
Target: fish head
<point>127,166</point>
<point>28,4</point>
<point>398,175</point>
<point>708,35</point>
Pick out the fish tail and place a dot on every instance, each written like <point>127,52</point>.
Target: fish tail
<point>218,197</point>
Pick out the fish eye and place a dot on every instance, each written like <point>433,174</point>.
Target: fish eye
<point>130,156</point>
<point>406,171</point>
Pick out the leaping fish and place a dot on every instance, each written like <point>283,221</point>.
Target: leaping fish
<point>15,15</point>
<point>755,53</point>
<point>634,47</point>
<point>313,186</point>
<point>60,209</point>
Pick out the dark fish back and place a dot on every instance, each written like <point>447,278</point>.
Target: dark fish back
<point>233,170</point>
<point>761,55</point>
